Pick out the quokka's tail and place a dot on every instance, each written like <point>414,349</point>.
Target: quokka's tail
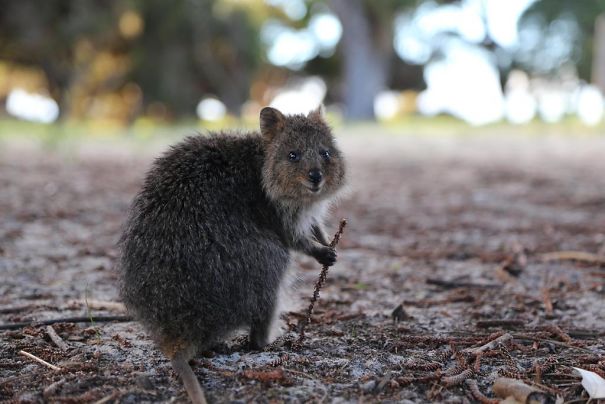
<point>192,385</point>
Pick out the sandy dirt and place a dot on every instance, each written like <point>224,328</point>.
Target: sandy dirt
<point>444,252</point>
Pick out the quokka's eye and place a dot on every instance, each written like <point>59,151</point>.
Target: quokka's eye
<point>294,156</point>
<point>325,154</point>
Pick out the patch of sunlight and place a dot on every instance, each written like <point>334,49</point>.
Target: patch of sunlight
<point>300,97</point>
<point>590,105</point>
<point>211,109</point>
<point>31,106</point>
<point>466,84</point>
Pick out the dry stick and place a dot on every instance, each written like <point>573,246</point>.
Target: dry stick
<point>577,333</point>
<point>52,389</point>
<point>98,319</point>
<point>504,387</point>
<point>56,339</point>
<point>550,341</point>
<point>42,361</point>
<point>574,256</point>
<point>110,397</point>
<point>97,304</point>
<point>490,345</point>
<point>556,330</point>
<point>320,281</point>
<point>16,309</point>
<point>454,284</point>
<point>574,333</point>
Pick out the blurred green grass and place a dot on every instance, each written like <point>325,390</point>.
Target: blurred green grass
<point>148,132</point>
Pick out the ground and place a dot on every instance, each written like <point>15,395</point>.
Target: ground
<point>446,249</point>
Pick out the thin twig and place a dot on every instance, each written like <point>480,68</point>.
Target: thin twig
<point>556,330</point>
<point>490,345</point>
<point>16,309</point>
<point>98,319</point>
<point>455,284</point>
<point>97,304</point>
<point>52,389</point>
<point>42,361</point>
<point>318,285</point>
<point>550,341</point>
<point>110,397</point>
<point>56,338</point>
<point>574,333</point>
<point>581,256</point>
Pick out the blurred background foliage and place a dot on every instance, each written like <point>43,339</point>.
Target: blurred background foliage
<point>123,61</point>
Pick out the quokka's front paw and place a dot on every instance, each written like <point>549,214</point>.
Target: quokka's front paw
<point>325,256</point>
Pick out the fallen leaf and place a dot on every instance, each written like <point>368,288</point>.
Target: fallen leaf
<point>593,383</point>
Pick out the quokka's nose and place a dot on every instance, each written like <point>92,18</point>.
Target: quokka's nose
<point>315,176</point>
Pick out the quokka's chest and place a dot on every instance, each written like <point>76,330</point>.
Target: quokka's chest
<point>306,218</point>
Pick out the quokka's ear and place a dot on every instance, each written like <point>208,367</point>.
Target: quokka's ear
<point>317,114</point>
<point>271,122</point>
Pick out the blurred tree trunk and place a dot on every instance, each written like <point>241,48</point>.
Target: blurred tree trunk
<point>222,65</point>
<point>367,49</point>
<point>598,61</point>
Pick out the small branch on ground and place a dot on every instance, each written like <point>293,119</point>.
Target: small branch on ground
<point>52,389</point>
<point>455,284</point>
<point>319,284</point>
<point>97,304</point>
<point>580,256</point>
<point>556,330</point>
<point>490,345</point>
<point>108,398</point>
<point>15,309</point>
<point>550,341</point>
<point>58,341</point>
<point>505,387</point>
<point>42,361</point>
<point>577,333</point>
<point>98,319</point>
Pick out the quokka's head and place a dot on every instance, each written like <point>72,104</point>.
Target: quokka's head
<point>302,161</point>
